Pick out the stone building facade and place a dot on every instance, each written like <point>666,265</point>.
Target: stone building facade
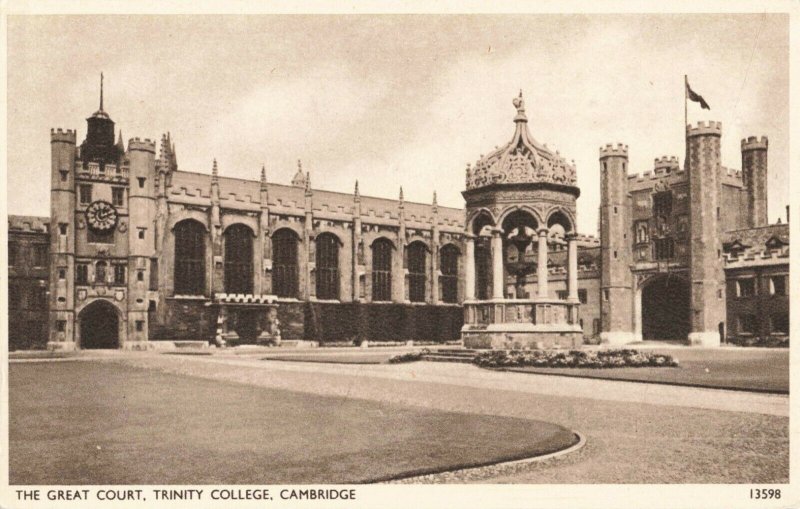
<point>139,250</point>
<point>28,252</point>
<point>667,268</point>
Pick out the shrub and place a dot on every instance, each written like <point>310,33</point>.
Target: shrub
<point>408,356</point>
<point>573,359</point>
<point>765,342</point>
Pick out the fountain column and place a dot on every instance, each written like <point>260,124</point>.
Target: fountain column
<point>541,268</point>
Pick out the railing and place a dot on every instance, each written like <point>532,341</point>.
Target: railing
<point>533,311</point>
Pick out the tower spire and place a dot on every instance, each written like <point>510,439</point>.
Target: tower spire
<point>101,91</point>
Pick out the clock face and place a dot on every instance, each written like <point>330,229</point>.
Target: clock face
<point>101,216</point>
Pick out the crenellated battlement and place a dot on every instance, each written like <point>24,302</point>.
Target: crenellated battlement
<point>146,145</point>
<point>666,162</point>
<point>756,257</point>
<point>63,136</point>
<point>704,128</point>
<point>753,143</point>
<point>657,173</point>
<point>612,150</point>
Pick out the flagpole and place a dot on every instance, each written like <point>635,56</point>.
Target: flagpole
<point>685,121</point>
<point>685,100</point>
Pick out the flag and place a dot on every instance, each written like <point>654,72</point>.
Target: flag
<point>696,97</point>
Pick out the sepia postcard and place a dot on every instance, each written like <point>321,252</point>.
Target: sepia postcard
<point>399,255</point>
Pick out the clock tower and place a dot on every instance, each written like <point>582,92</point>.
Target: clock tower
<point>102,210</point>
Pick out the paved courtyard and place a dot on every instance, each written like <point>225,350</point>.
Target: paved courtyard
<point>635,432</point>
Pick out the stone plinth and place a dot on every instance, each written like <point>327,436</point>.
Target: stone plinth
<point>517,323</point>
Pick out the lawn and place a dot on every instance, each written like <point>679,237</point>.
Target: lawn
<point>764,370</point>
<point>105,423</point>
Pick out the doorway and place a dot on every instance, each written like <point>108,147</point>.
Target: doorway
<point>99,326</point>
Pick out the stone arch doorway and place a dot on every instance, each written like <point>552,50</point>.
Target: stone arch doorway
<point>99,326</point>
<point>665,308</point>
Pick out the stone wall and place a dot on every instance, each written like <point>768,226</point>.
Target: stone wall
<point>184,320</point>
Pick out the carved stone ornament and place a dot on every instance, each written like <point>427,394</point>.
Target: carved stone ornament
<point>521,161</point>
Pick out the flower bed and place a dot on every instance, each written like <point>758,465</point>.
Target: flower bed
<point>626,358</point>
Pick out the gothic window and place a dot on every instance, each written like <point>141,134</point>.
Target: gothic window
<point>238,259</point>
<point>327,258</point>
<point>417,257</point>
<point>284,263</point>
<point>582,296</point>
<point>40,252</point>
<point>190,258</point>
<point>85,191</point>
<point>661,226</point>
<point>153,274</point>
<point>81,274</point>
<point>746,287</point>
<point>662,203</point>
<point>39,298</point>
<point>777,285</point>
<point>382,270</point>
<point>117,196</point>
<point>449,267</point>
<point>642,232</point>
<point>13,253</point>
<point>119,274</point>
<point>664,249</point>
<point>100,272</point>
<point>483,261</point>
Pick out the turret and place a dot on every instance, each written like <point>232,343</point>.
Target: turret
<point>616,299</point>
<point>99,145</point>
<point>263,191</point>
<point>62,239</point>
<point>705,248</point>
<point>141,233</point>
<point>754,176</point>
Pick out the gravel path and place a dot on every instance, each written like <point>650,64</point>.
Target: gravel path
<point>636,433</point>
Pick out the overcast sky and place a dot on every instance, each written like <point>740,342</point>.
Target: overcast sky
<point>395,100</point>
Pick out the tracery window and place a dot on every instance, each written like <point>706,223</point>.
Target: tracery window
<point>382,270</point>
<point>238,259</point>
<point>284,263</point>
<point>417,257</point>
<point>449,267</point>
<point>190,254</point>
<point>327,264</point>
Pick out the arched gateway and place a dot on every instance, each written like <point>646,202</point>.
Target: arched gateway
<point>665,308</point>
<point>99,326</point>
